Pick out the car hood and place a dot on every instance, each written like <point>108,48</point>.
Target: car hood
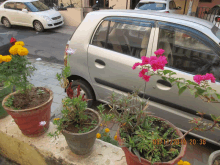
<point>49,13</point>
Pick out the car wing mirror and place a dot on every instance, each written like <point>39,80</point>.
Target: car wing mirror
<point>25,10</point>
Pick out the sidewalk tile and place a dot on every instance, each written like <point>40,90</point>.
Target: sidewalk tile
<point>196,162</point>
<point>115,127</point>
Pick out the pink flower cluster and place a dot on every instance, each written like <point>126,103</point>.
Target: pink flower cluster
<point>155,62</point>
<point>208,76</point>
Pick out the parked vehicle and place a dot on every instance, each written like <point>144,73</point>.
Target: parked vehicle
<point>166,6</point>
<point>107,51</point>
<point>31,13</point>
<point>212,14</point>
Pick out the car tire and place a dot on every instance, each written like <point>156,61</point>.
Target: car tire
<point>38,26</point>
<point>84,86</point>
<point>6,22</point>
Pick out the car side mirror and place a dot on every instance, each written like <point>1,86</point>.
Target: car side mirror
<point>25,10</point>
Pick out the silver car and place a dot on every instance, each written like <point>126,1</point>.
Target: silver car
<point>108,43</point>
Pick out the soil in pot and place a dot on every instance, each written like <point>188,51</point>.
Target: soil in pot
<point>217,161</point>
<point>36,98</point>
<point>163,129</point>
<point>86,126</point>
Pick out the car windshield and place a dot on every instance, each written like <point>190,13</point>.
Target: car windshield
<point>36,6</point>
<point>216,31</point>
<point>151,6</point>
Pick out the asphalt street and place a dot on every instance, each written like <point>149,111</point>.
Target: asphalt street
<point>48,45</point>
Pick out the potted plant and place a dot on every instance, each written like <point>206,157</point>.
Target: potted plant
<point>28,105</point>
<point>5,91</point>
<point>214,158</point>
<point>78,123</point>
<point>147,139</point>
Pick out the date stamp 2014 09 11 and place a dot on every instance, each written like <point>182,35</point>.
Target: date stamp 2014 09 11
<point>179,141</point>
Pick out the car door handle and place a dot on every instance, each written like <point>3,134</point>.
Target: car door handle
<point>163,85</point>
<point>99,63</point>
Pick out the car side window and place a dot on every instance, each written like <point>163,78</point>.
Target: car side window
<point>9,5</point>
<point>20,6</point>
<point>188,54</point>
<point>99,38</point>
<point>128,38</point>
<point>171,5</point>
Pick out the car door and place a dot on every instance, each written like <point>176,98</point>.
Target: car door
<point>10,12</point>
<point>189,52</point>
<point>116,45</point>
<point>23,18</point>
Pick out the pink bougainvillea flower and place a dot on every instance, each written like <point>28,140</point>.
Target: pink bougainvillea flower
<point>145,60</point>
<point>209,76</point>
<point>159,63</point>
<point>142,72</point>
<point>135,65</point>
<point>198,78</point>
<point>152,58</point>
<point>146,78</point>
<point>159,52</point>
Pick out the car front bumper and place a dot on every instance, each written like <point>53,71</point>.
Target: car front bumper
<point>53,24</point>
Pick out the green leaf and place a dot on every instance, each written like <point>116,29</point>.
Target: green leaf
<point>192,91</point>
<point>213,117</point>
<point>137,154</point>
<point>167,71</point>
<point>171,80</point>
<point>170,74</point>
<point>191,83</point>
<point>217,95</point>
<point>164,78</point>
<point>180,85</point>
<point>200,91</point>
<point>181,90</point>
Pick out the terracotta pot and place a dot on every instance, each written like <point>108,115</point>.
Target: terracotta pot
<point>82,143</point>
<point>213,156</point>
<point>133,159</point>
<point>28,119</point>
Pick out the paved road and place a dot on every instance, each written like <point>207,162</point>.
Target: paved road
<point>49,45</point>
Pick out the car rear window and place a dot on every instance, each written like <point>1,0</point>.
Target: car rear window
<point>216,31</point>
<point>151,6</point>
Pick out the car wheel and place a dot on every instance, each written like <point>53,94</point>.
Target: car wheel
<point>38,26</point>
<point>6,22</point>
<point>85,90</point>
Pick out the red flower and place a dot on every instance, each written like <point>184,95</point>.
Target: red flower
<point>12,41</point>
<point>69,91</point>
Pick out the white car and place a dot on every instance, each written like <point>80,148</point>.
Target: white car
<point>31,13</point>
<point>166,6</point>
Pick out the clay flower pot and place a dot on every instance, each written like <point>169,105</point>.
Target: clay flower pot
<point>28,119</point>
<point>82,143</point>
<point>133,159</point>
<point>213,156</point>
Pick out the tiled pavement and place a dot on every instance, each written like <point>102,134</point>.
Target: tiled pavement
<point>45,76</point>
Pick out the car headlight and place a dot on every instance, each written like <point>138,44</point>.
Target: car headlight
<point>47,18</point>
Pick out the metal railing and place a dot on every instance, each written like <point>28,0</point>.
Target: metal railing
<point>204,13</point>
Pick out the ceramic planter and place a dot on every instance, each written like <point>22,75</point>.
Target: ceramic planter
<point>82,143</point>
<point>133,159</point>
<point>28,119</point>
<point>214,155</point>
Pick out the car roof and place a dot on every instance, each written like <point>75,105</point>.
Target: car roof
<point>20,0</point>
<point>134,13</point>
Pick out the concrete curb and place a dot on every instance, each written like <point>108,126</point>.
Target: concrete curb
<point>44,150</point>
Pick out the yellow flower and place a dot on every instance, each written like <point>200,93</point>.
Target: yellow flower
<point>180,162</point>
<point>100,124</point>
<point>115,137</point>
<point>22,51</point>
<point>56,119</point>
<point>98,135</point>
<point>1,59</point>
<point>14,49</point>
<point>8,58</point>
<point>4,58</point>
<point>107,130</point>
<point>19,43</point>
<point>123,124</point>
<point>186,163</point>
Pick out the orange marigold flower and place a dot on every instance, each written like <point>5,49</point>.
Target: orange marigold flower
<point>115,137</point>
<point>98,135</point>
<point>107,130</point>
